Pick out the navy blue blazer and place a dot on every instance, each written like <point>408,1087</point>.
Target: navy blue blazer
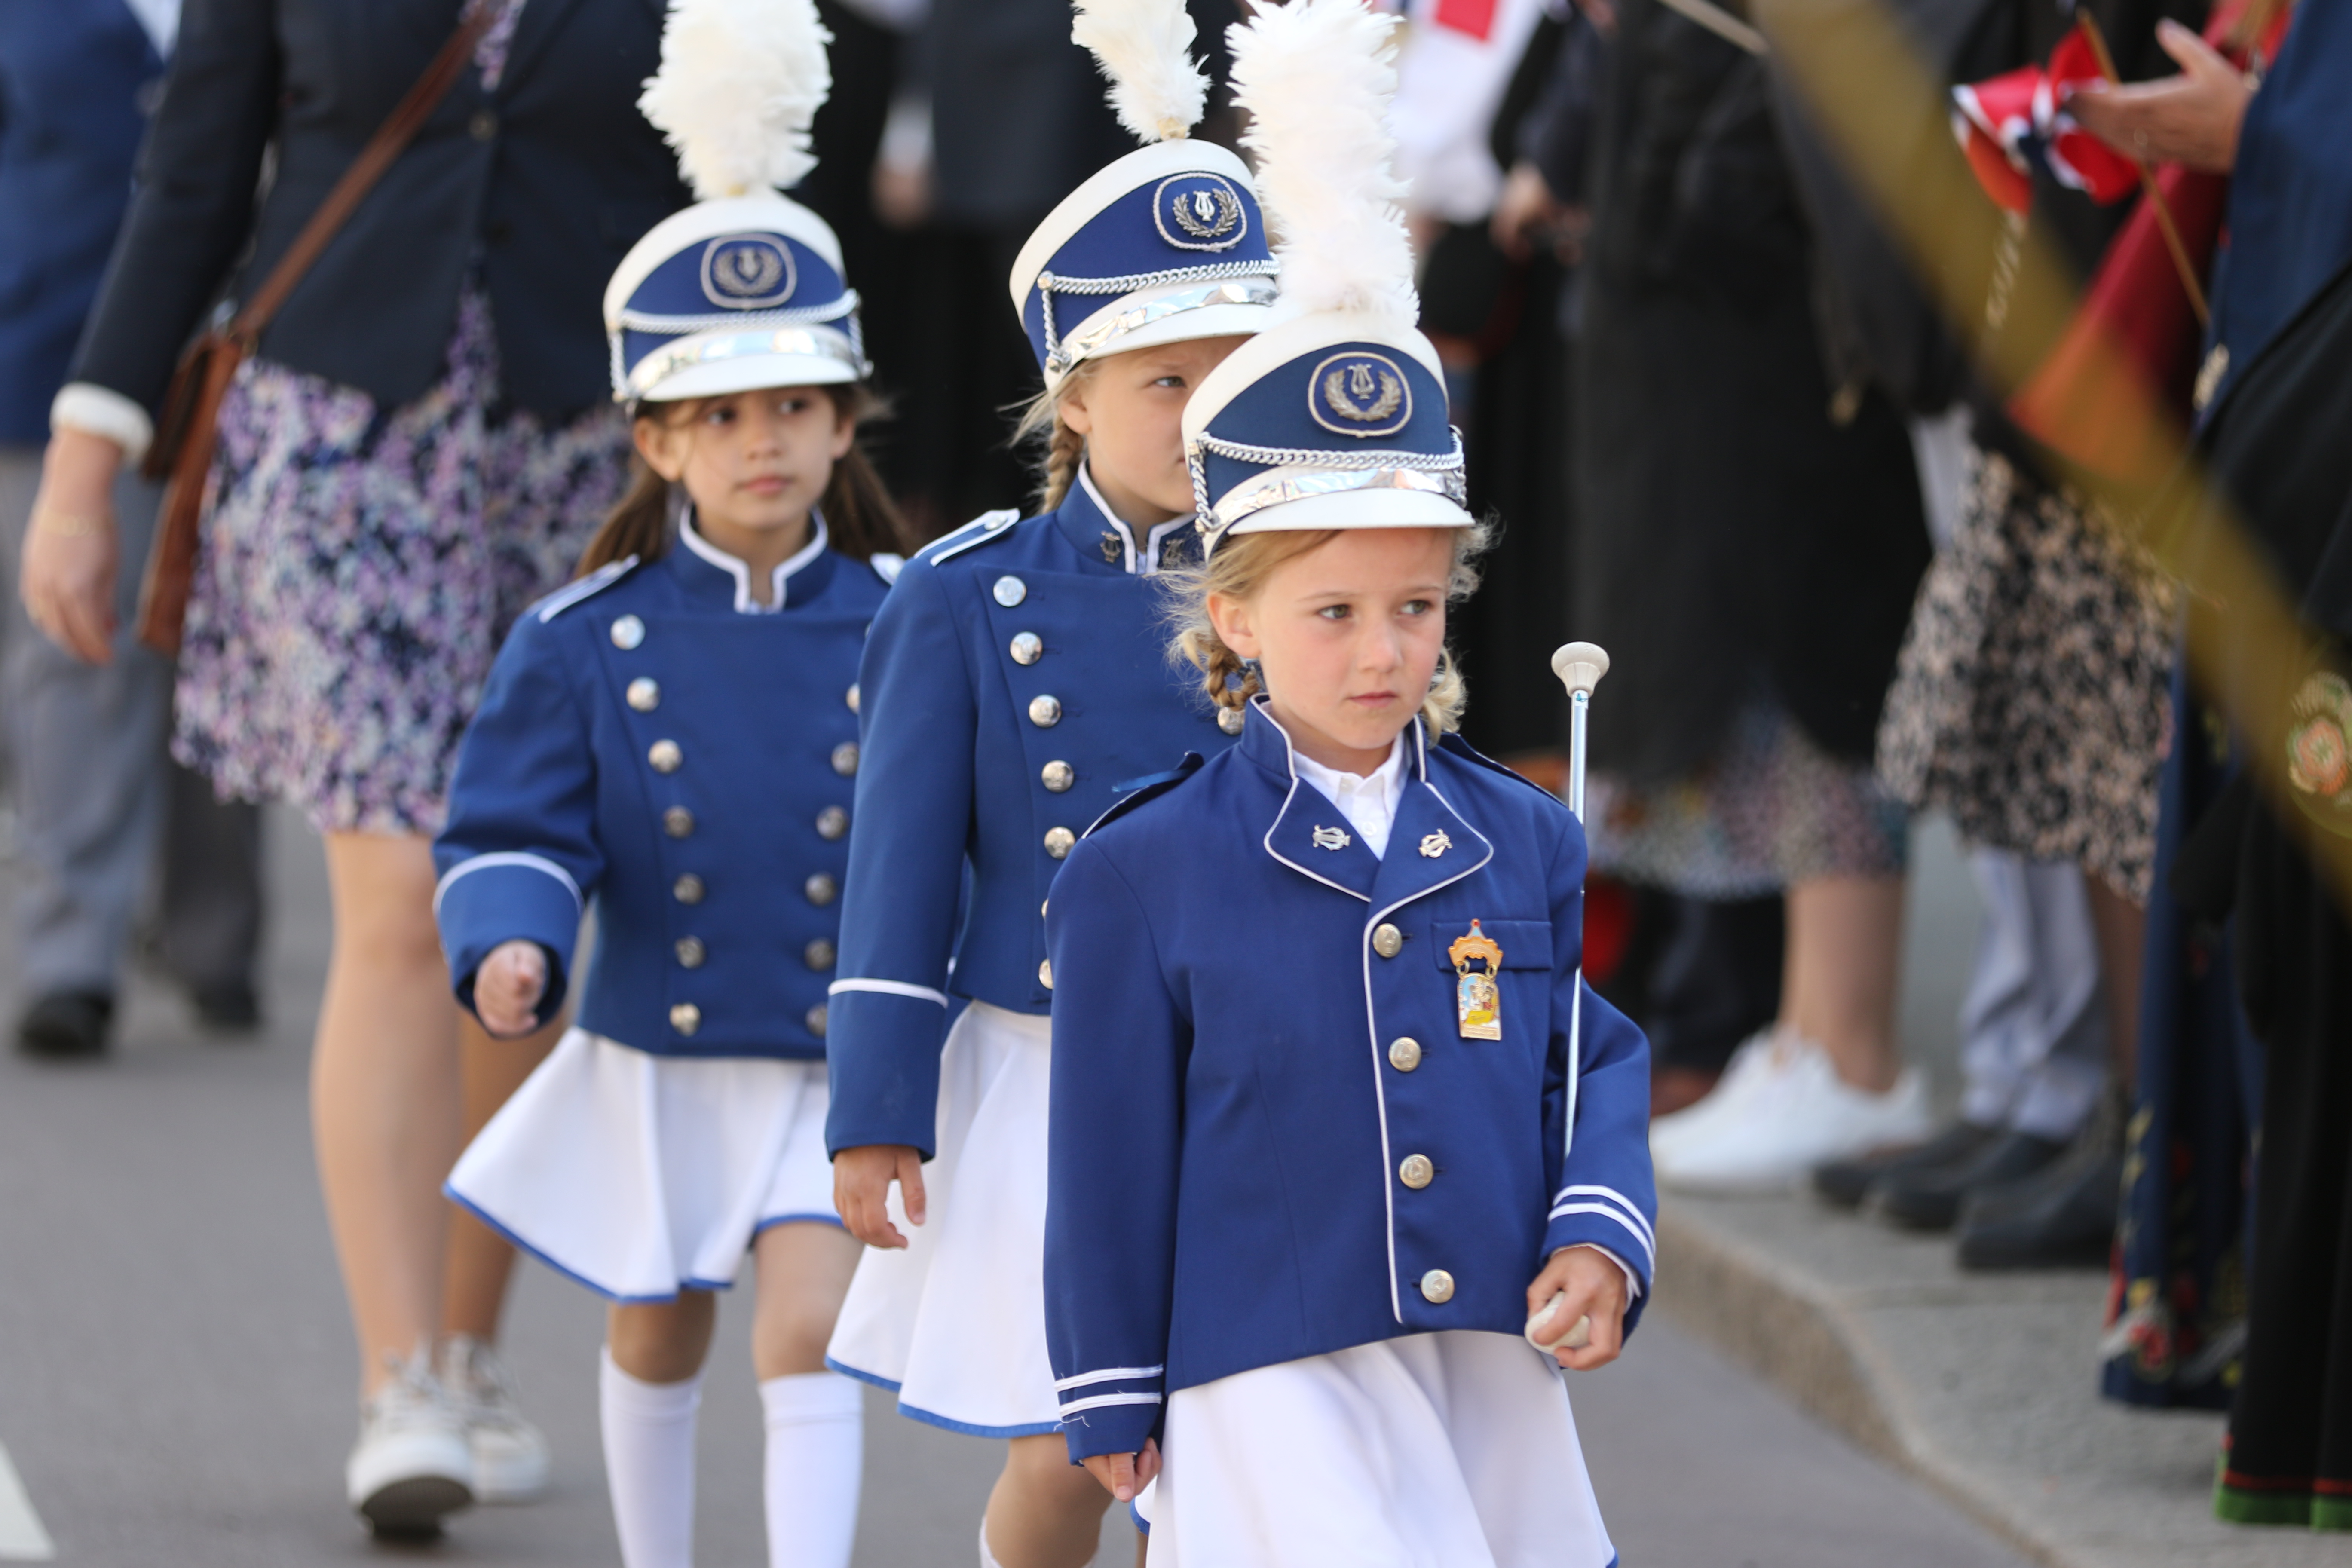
<point>652,741</point>
<point>1269,1138</point>
<point>2289,217</point>
<point>73,74</point>
<point>541,184</point>
<point>1018,675</point>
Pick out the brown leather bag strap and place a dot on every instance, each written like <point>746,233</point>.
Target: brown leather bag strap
<point>398,130</point>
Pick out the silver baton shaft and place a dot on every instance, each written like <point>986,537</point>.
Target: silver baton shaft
<point>1579,665</point>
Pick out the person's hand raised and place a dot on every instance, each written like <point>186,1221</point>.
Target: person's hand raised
<point>2191,119</point>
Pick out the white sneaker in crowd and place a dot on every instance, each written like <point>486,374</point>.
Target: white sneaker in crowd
<point>411,1467</point>
<point>509,1453</point>
<point>1750,1066</point>
<point>1794,1114</point>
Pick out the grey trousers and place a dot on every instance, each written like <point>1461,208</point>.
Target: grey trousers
<point>103,814</point>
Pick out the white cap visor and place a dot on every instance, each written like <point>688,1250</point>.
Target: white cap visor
<point>710,365</point>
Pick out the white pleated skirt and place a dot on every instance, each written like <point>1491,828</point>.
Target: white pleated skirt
<point>1442,1450</point>
<point>955,1323</point>
<point>641,1175</point>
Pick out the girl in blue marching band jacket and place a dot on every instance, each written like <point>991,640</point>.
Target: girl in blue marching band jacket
<point>673,737</point>
<point>1327,1133</point>
<point>1014,681</point>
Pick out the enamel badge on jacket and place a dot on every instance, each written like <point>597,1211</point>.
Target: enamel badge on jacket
<point>1244,1173</point>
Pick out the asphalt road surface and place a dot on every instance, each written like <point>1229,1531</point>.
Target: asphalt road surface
<point>176,1373</point>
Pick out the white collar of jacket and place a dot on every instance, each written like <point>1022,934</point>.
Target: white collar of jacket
<point>1430,845</point>
<point>1136,562</point>
<point>689,536</point>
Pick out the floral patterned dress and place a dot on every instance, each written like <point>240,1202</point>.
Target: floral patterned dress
<point>361,565</point>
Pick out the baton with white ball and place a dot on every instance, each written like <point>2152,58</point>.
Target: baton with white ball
<point>1579,665</point>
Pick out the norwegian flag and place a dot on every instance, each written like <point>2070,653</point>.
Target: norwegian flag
<point>2011,124</point>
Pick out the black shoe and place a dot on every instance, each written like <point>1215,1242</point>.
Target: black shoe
<point>2064,1217</point>
<point>67,1024</point>
<point>227,1007</point>
<point>1930,1199</point>
<point>1845,1183</point>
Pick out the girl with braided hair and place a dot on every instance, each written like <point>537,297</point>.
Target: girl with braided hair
<point>1015,682</point>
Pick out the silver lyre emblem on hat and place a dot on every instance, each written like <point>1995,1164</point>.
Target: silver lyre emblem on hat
<point>747,272</point>
<point>1330,838</point>
<point>1199,212</point>
<point>1360,393</point>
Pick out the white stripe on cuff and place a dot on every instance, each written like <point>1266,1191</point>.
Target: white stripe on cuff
<point>1649,1253</point>
<point>1110,1374</point>
<point>1074,1405</point>
<point>506,858</point>
<point>888,988</point>
<point>1641,1222</point>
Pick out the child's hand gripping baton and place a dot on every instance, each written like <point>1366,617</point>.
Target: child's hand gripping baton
<point>1579,665</point>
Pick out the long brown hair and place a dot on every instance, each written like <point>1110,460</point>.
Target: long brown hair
<point>860,518</point>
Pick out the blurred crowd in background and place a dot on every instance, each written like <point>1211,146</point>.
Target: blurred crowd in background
<point>1734,432</point>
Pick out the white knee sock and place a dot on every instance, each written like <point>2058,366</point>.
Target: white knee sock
<point>816,1457</point>
<point>650,1465</point>
<point>987,1558</point>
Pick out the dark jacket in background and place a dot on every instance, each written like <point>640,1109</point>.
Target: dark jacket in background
<point>544,184</point>
<point>1738,541</point>
<point>72,76</point>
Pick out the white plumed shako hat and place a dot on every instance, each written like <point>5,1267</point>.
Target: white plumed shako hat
<point>744,288</point>
<point>1335,416</point>
<point>1164,246</point>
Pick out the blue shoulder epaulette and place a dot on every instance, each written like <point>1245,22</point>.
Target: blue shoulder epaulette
<point>1133,793</point>
<point>1453,743</point>
<point>588,588</point>
<point>988,525</point>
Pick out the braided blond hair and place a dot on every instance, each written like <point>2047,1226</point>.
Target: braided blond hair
<point>1040,424</point>
<point>1240,568</point>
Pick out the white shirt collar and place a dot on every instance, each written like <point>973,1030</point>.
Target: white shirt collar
<point>745,605</point>
<point>1153,542</point>
<point>1368,801</point>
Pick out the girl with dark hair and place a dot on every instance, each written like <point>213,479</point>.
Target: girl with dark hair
<point>673,737</point>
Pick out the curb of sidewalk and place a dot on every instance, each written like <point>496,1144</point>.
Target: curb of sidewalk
<point>1983,1386</point>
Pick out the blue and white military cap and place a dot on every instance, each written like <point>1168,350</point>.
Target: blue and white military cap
<point>1330,420</point>
<point>732,295</point>
<point>1335,414</point>
<point>1164,246</point>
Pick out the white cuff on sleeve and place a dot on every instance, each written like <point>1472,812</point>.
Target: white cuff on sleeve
<point>1632,1280</point>
<point>96,410</point>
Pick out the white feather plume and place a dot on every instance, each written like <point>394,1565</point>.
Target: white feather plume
<point>1145,46</point>
<point>1316,78</point>
<point>739,82</point>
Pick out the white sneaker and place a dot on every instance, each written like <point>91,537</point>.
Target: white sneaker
<point>509,1453</point>
<point>1753,1062</point>
<point>410,1466</point>
<point>1796,1117</point>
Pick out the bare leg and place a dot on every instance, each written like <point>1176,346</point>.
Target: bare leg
<point>662,1342</point>
<point>477,1263</point>
<point>803,1272</point>
<point>384,1092</point>
<point>2121,926</point>
<point>1845,943</point>
<point>1046,1512</point>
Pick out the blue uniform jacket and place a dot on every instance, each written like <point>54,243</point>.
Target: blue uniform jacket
<point>1017,675</point>
<point>650,741</point>
<point>1269,1138</point>
<point>73,77</point>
